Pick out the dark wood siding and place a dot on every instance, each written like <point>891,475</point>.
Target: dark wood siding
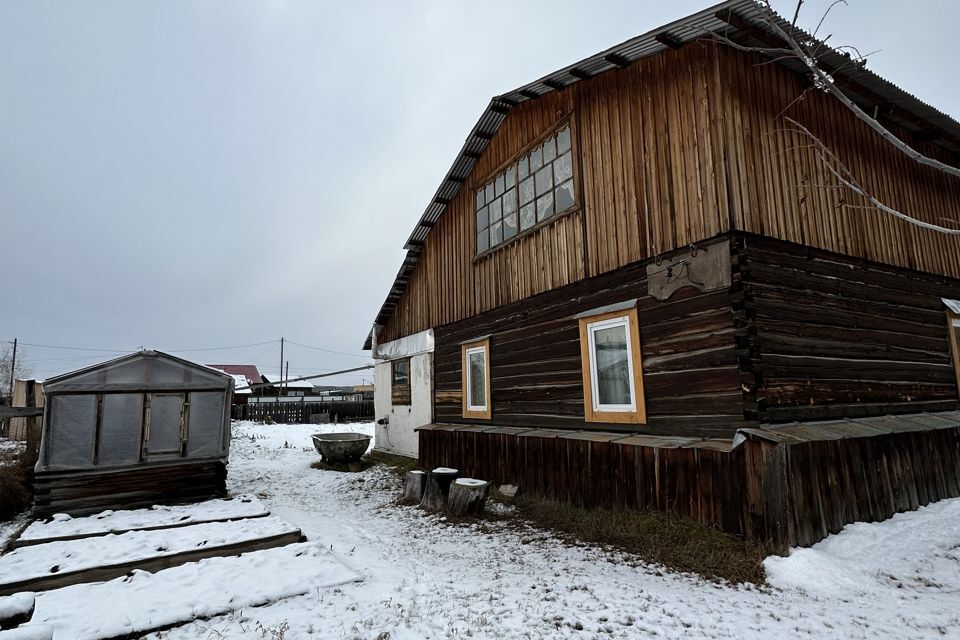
<point>832,336</point>
<point>691,378</point>
<point>673,150</point>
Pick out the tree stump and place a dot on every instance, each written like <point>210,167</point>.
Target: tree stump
<point>468,497</point>
<point>413,485</point>
<point>436,488</point>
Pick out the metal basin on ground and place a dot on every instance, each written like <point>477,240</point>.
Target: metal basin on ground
<point>341,448</point>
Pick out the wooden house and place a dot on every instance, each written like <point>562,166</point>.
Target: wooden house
<point>139,429</point>
<point>634,287</point>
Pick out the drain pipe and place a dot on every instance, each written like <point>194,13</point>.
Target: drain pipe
<point>374,347</point>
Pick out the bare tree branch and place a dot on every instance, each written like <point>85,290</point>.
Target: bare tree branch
<point>845,177</point>
<point>824,81</point>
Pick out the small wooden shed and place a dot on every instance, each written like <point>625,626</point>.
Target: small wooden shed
<point>143,428</point>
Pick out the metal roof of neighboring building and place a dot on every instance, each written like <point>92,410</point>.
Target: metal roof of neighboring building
<point>734,18</point>
<point>248,371</point>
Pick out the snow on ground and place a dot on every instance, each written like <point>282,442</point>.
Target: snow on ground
<point>62,525</point>
<point>43,560</point>
<point>126,606</point>
<point>426,579</point>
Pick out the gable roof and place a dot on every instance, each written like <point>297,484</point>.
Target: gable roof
<point>146,370</point>
<point>734,19</point>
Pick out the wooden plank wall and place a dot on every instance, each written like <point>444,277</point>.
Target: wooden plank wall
<point>703,484</point>
<point>675,149</point>
<point>691,378</point>
<point>835,482</point>
<point>783,495</point>
<point>833,336</point>
<point>649,163</point>
<point>776,169</point>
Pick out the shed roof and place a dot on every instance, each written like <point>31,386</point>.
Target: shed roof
<point>145,370</point>
<point>733,18</point>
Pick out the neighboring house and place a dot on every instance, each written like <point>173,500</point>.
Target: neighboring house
<point>298,389</point>
<point>143,428</point>
<point>633,288</point>
<point>244,376</point>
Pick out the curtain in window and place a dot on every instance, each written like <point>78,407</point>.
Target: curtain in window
<point>478,379</point>
<point>613,365</point>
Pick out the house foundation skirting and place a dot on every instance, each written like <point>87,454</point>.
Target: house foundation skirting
<point>780,485</point>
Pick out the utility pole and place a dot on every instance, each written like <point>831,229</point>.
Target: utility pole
<point>13,367</point>
<point>286,377</point>
<point>280,383</point>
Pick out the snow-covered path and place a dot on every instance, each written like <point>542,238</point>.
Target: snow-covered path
<point>426,579</point>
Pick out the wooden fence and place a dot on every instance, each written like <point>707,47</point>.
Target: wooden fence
<point>305,412</point>
<point>768,489</point>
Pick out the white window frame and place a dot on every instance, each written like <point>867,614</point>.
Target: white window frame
<point>592,328</point>
<point>470,405</point>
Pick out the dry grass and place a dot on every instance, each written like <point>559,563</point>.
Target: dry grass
<point>15,493</point>
<point>676,543</point>
<point>16,477</point>
<point>397,464</point>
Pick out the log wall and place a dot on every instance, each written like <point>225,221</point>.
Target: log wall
<point>825,336</point>
<point>690,370</point>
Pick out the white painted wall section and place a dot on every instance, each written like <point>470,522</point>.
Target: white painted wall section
<point>396,425</point>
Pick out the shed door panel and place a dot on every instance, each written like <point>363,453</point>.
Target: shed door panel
<point>206,423</point>
<point>165,428</point>
<point>121,426</point>
<point>74,424</point>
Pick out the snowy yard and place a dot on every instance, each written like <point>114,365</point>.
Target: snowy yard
<point>423,578</point>
<point>375,570</point>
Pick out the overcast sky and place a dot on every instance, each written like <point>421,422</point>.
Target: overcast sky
<point>195,175</point>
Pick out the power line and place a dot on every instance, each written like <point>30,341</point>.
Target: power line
<point>339,353</point>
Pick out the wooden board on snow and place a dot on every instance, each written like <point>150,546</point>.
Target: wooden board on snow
<point>52,565</point>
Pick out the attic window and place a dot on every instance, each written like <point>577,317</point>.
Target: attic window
<point>535,187</point>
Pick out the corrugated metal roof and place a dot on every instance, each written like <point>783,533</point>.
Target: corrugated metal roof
<point>734,18</point>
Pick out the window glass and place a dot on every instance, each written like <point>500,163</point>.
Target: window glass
<point>483,240</point>
<point>563,168</point>
<point>563,140</point>
<point>509,226</point>
<point>544,180</point>
<point>526,191</point>
<point>563,196</point>
<point>477,383</point>
<point>549,150</point>
<point>496,233</point>
<point>544,207</point>
<point>528,216</point>
<point>612,364</point>
<point>532,189</point>
<point>482,218</point>
<point>401,372</point>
